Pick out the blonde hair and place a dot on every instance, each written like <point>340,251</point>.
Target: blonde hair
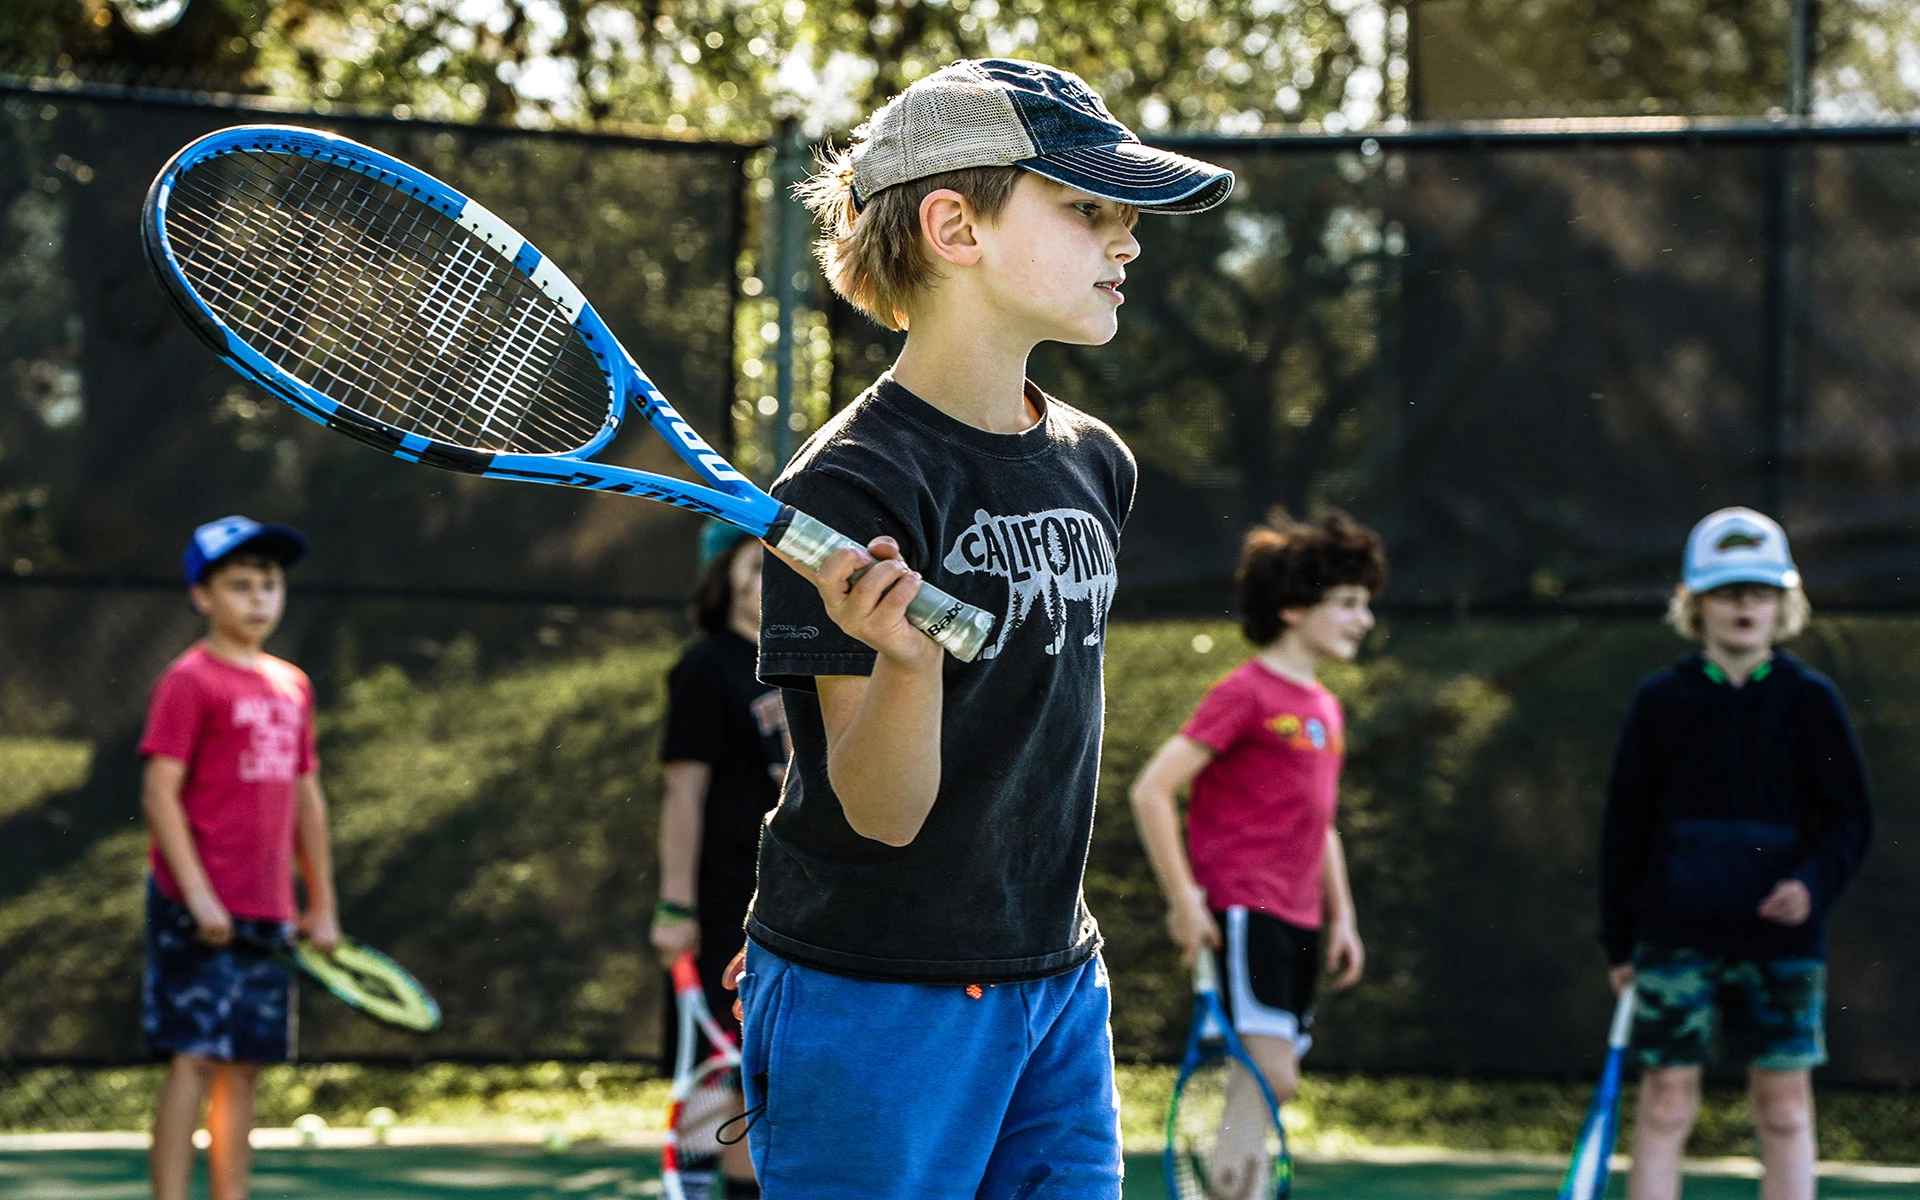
<point>874,255</point>
<point>1683,613</point>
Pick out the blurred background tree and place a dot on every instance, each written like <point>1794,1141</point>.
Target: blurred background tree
<point>732,68</point>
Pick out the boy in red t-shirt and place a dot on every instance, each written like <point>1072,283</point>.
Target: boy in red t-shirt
<point>232,797</point>
<point>1262,754</point>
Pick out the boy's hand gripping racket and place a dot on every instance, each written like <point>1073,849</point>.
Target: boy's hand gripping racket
<point>705,1096</point>
<point>382,303</point>
<point>1224,1136</point>
<point>1592,1156</point>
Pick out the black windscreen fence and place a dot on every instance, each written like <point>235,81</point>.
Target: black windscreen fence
<point>1531,364</point>
<point>120,432</point>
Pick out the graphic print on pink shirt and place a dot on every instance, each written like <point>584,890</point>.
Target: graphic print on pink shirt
<point>1260,810</point>
<point>275,725</point>
<point>246,737</point>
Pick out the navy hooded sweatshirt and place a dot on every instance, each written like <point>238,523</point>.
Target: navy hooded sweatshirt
<point>1720,792</point>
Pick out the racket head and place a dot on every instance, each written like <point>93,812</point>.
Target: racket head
<point>1207,1159</point>
<point>369,981</point>
<point>376,299</point>
<point>706,1092</point>
<point>701,1106</point>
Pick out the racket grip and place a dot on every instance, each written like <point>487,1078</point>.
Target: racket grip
<point>955,624</point>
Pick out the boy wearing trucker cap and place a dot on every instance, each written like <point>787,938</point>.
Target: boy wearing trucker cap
<point>1736,814</point>
<point>925,1006</point>
<point>232,799</point>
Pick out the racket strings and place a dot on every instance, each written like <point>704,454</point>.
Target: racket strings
<point>712,1102</point>
<point>362,207</point>
<point>384,304</point>
<point>1224,1143</point>
<point>360,203</point>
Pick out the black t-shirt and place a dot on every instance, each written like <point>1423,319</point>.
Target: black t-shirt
<point>1024,525</point>
<point>719,714</point>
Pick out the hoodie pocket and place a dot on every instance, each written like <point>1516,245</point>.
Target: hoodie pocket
<point>1726,866</point>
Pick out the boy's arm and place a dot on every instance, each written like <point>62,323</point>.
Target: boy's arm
<point>681,814</point>
<point>1346,956</point>
<point>321,922</point>
<point>1156,811</point>
<point>883,730</point>
<point>1840,822</point>
<point>1626,836</point>
<point>167,821</point>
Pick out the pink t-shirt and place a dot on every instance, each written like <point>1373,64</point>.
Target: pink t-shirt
<point>246,735</point>
<point>1257,824</point>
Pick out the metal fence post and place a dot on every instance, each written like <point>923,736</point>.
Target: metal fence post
<point>786,245</point>
<point>1781,356</point>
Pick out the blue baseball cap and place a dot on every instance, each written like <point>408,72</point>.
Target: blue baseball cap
<point>1004,112</point>
<point>717,538</point>
<point>217,539</point>
<point>1737,545</point>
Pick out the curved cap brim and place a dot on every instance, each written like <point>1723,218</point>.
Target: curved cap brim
<point>1770,574</point>
<point>281,542</point>
<point>1146,177</point>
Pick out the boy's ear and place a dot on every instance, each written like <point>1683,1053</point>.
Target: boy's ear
<point>946,221</point>
<point>197,596</point>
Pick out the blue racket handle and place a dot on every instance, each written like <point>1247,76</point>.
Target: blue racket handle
<point>955,624</point>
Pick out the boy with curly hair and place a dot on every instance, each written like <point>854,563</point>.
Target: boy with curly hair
<point>1261,878</point>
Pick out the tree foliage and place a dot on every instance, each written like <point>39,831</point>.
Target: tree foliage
<point>732,68</point>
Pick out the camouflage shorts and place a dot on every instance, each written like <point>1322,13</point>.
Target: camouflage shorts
<point>222,1003</point>
<point>1771,1012</point>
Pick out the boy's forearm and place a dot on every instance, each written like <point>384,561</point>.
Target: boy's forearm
<point>313,847</point>
<point>681,814</point>
<point>885,765</point>
<point>167,821</point>
<point>1156,813</point>
<point>1340,908</point>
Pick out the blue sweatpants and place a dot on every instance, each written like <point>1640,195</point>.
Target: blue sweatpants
<point>925,1092</point>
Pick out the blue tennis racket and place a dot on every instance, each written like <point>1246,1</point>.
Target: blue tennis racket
<point>1224,1136</point>
<point>1593,1155</point>
<point>384,304</point>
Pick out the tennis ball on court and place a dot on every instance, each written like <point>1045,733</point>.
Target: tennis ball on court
<point>309,1126</point>
<point>380,1120</point>
<point>556,1141</point>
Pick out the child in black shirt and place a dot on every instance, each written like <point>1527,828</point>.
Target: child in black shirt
<point>926,1010</point>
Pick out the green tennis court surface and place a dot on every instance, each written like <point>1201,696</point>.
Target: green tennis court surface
<point>496,1172</point>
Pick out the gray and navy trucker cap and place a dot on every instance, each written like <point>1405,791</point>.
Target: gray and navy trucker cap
<point>1002,112</point>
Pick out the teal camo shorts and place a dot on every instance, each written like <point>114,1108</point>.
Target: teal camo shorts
<point>1771,1012</point>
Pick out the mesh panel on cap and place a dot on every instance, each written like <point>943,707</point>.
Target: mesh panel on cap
<point>963,125</point>
<point>947,121</point>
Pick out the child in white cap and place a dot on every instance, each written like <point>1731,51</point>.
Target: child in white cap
<point>1736,814</point>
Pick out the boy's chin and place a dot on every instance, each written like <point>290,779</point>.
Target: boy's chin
<point>1094,333</point>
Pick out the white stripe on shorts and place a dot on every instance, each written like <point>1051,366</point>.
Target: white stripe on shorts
<point>1249,1015</point>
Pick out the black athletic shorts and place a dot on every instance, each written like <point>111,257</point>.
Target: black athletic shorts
<point>1268,968</point>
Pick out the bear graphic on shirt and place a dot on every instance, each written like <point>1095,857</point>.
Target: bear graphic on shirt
<point>1048,559</point>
